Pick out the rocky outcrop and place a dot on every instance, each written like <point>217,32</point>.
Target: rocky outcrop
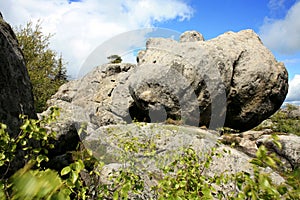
<point>163,143</point>
<point>232,80</point>
<point>233,75</point>
<point>100,98</point>
<point>16,91</point>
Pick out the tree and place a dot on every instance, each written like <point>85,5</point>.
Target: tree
<point>115,59</point>
<point>46,70</point>
<point>60,71</point>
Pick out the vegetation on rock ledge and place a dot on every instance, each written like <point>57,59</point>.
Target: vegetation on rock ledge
<point>183,178</point>
<point>280,122</point>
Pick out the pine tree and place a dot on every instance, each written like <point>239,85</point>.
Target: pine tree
<point>61,72</point>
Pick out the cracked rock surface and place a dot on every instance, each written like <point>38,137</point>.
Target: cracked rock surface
<point>234,71</point>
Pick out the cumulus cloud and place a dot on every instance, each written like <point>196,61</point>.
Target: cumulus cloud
<point>81,26</point>
<point>293,95</point>
<point>283,35</point>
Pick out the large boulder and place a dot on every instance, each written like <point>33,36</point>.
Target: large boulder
<point>16,95</point>
<point>16,91</point>
<point>233,75</point>
<point>232,80</point>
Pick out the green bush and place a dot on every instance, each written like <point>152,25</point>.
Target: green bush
<point>34,181</point>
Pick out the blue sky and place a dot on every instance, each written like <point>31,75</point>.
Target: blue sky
<point>80,26</point>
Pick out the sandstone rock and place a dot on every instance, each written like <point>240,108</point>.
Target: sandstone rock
<point>16,91</point>
<point>233,75</point>
<point>245,141</point>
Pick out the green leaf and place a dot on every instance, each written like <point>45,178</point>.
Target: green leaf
<point>256,162</point>
<point>3,126</point>
<point>270,162</point>
<point>2,163</point>
<point>65,170</point>
<point>37,150</point>
<point>41,158</point>
<point>24,142</point>
<point>74,176</point>
<point>116,195</point>
<point>78,166</point>
<point>2,156</point>
<point>278,144</point>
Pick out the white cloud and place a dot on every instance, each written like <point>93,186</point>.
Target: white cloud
<point>294,89</point>
<point>79,27</point>
<point>276,4</point>
<point>283,35</point>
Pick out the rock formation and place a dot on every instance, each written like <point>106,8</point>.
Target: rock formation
<point>191,36</point>
<point>234,71</point>
<point>232,80</point>
<point>290,150</point>
<point>168,141</point>
<point>16,91</point>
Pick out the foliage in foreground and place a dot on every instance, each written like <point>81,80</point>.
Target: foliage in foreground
<point>183,178</point>
<point>46,70</point>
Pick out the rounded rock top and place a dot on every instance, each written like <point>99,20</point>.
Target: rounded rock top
<point>191,36</point>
